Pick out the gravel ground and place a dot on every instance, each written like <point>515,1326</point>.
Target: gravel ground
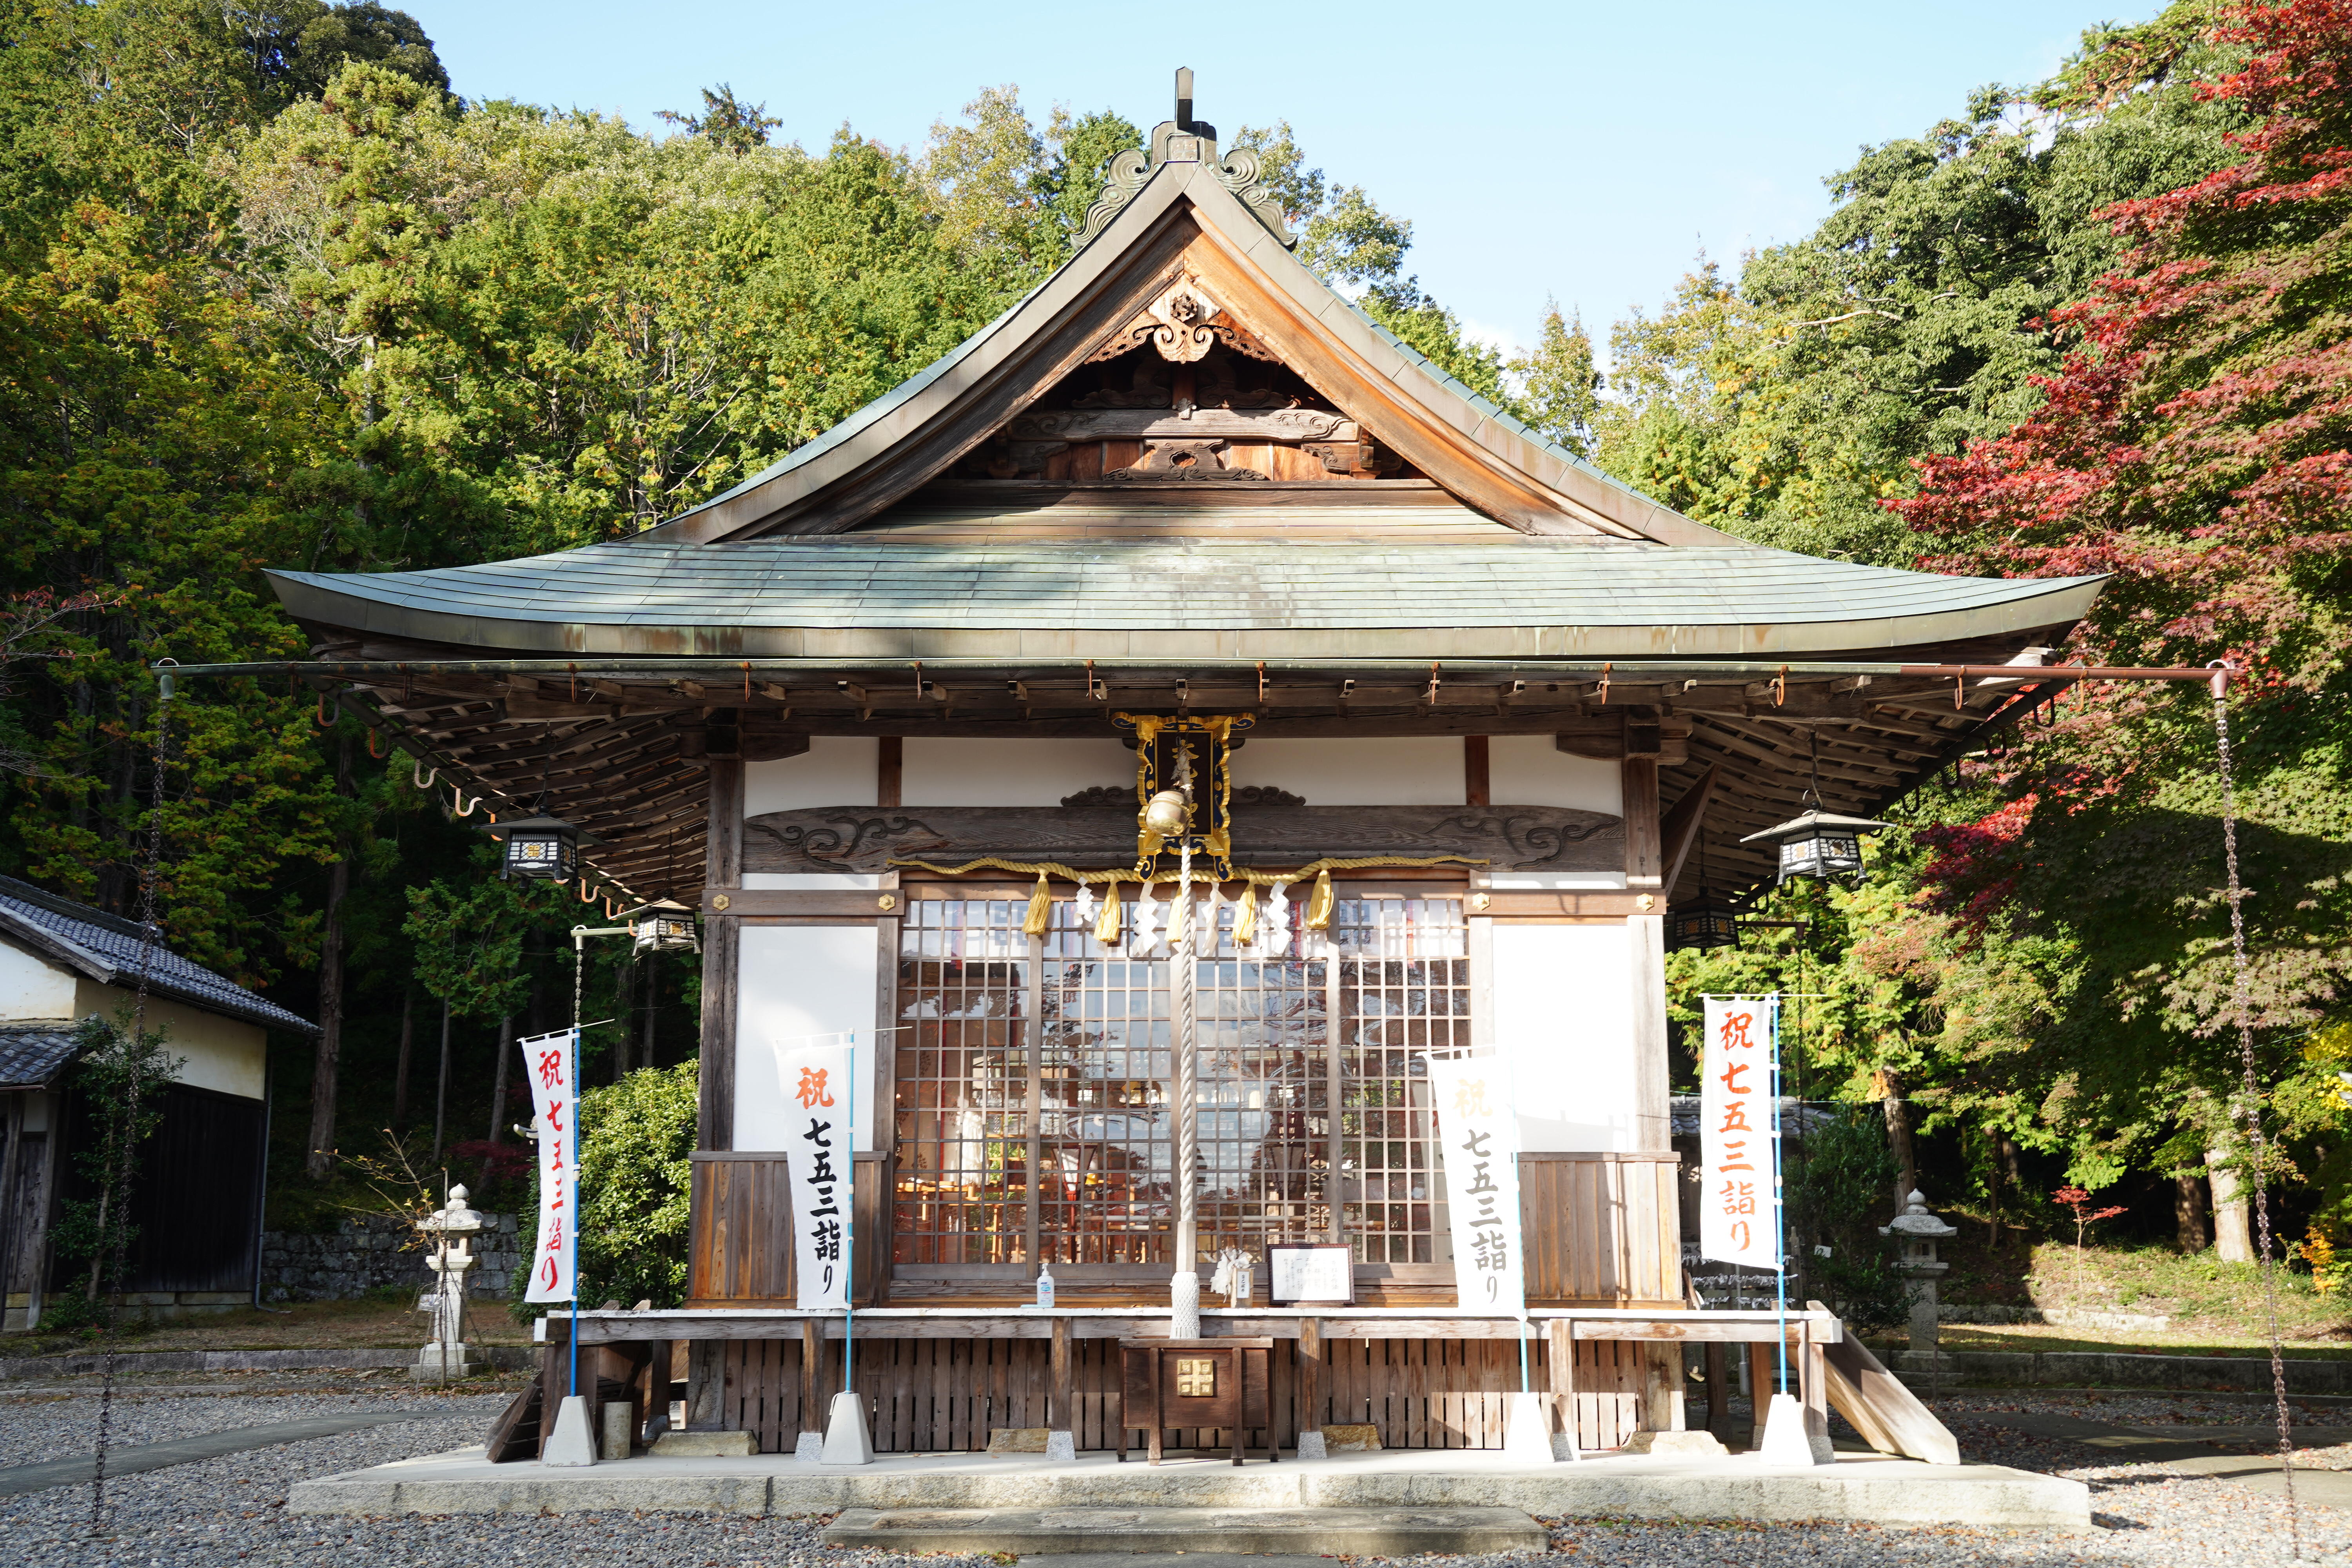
<point>229,1512</point>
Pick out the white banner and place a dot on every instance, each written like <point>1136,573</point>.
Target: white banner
<point>1479,1128</point>
<point>1738,1219</point>
<point>817,1156</point>
<point>549,1065</point>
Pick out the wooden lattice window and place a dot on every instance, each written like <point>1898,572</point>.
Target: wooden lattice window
<point>1034,1086</point>
<point>1405,988</point>
<point>961,1093</point>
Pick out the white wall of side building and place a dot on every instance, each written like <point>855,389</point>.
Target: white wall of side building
<point>216,1053</point>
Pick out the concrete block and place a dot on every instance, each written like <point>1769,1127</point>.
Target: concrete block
<point>809,1447</point>
<point>1017,1440</point>
<point>1527,1431</point>
<point>1311,1445</point>
<point>847,1441</point>
<point>1785,1439</point>
<point>616,1430</point>
<point>1062,1446</point>
<point>574,1442</point>
<point>1675,1445</point>
<point>708,1445</point>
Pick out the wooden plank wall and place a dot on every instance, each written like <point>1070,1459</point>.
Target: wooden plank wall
<point>946,1395</point>
<point>739,1251</point>
<point>1601,1229</point>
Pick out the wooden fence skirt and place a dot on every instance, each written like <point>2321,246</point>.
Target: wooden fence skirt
<point>932,1396</point>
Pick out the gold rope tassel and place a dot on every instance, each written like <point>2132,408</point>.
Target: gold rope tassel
<point>1041,909</point>
<point>1108,923</point>
<point>1318,904</point>
<point>1245,917</point>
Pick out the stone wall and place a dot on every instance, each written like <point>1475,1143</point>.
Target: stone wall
<point>367,1250</point>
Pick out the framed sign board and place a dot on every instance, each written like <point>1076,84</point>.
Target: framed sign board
<point>1310,1276</point>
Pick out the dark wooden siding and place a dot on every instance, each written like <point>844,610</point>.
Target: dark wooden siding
<point>197,1198</point>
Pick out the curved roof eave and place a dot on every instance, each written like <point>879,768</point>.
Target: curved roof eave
<point>838,600</point>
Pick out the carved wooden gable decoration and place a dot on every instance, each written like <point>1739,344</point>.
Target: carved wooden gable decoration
<point>1184,349</point>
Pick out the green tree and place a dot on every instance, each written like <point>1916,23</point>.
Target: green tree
<point>636,1167</point>
<point>725,123</point>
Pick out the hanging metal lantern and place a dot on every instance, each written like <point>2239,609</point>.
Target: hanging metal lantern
<point>1820,843</point>
<point>546,848</point>
<point>1703,922</point>
<point>662,926</point>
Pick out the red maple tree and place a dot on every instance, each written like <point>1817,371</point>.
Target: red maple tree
<point>2194,444</point>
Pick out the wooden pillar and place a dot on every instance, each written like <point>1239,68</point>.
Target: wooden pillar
<point>1310,1377</point>
<point>891,770</point>
<point>1476,790</point>
<point>721,943</point>
<point>1646,937</point>
<point>1562,1357</point>
<point>1065,1412</point>
<point>1662,1388</point>
<point>1761,1382</point>
<point>812,1399</point>
<point>1813,1385</point>
<point>555,1378</point>
<point>1644,862</point>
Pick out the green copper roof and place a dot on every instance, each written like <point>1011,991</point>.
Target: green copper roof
<point>851,596</point>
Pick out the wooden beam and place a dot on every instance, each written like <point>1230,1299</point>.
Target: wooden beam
<point>1642,851</point>
<point>867,839</point>
<point>1680,827</point>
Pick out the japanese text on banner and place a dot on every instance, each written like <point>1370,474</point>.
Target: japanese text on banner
<point>1738,1219</point>
<point>1480,1131</point>
<point>549,1066</point>
<point>818,1159</point>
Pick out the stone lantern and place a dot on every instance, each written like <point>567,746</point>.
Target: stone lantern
<point>448,1234</point>
<point>1920,1231</point>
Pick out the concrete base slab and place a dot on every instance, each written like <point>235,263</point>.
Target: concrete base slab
<point>1387,1532</point>
<point>676,1445</point>
<point>1738,1487</point>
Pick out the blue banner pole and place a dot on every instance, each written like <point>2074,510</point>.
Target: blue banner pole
<point>849,1234</point>
<point>1779,1206</point>
<point>571,1237</point>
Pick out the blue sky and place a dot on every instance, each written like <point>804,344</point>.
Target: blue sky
<point>1582,150</point>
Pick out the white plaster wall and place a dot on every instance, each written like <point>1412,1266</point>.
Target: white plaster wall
<point>795,982</point>
<point>817,880</point>
<point>1369,771</point>
<point>33,987</point>
<point>1011,772</point>
<point>1531,769</point>
<point>836,770</point>
<point>214,1053</point>
<point>1563,1012</point>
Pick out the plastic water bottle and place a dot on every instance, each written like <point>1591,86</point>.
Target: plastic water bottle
<point>1045,1285</point>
